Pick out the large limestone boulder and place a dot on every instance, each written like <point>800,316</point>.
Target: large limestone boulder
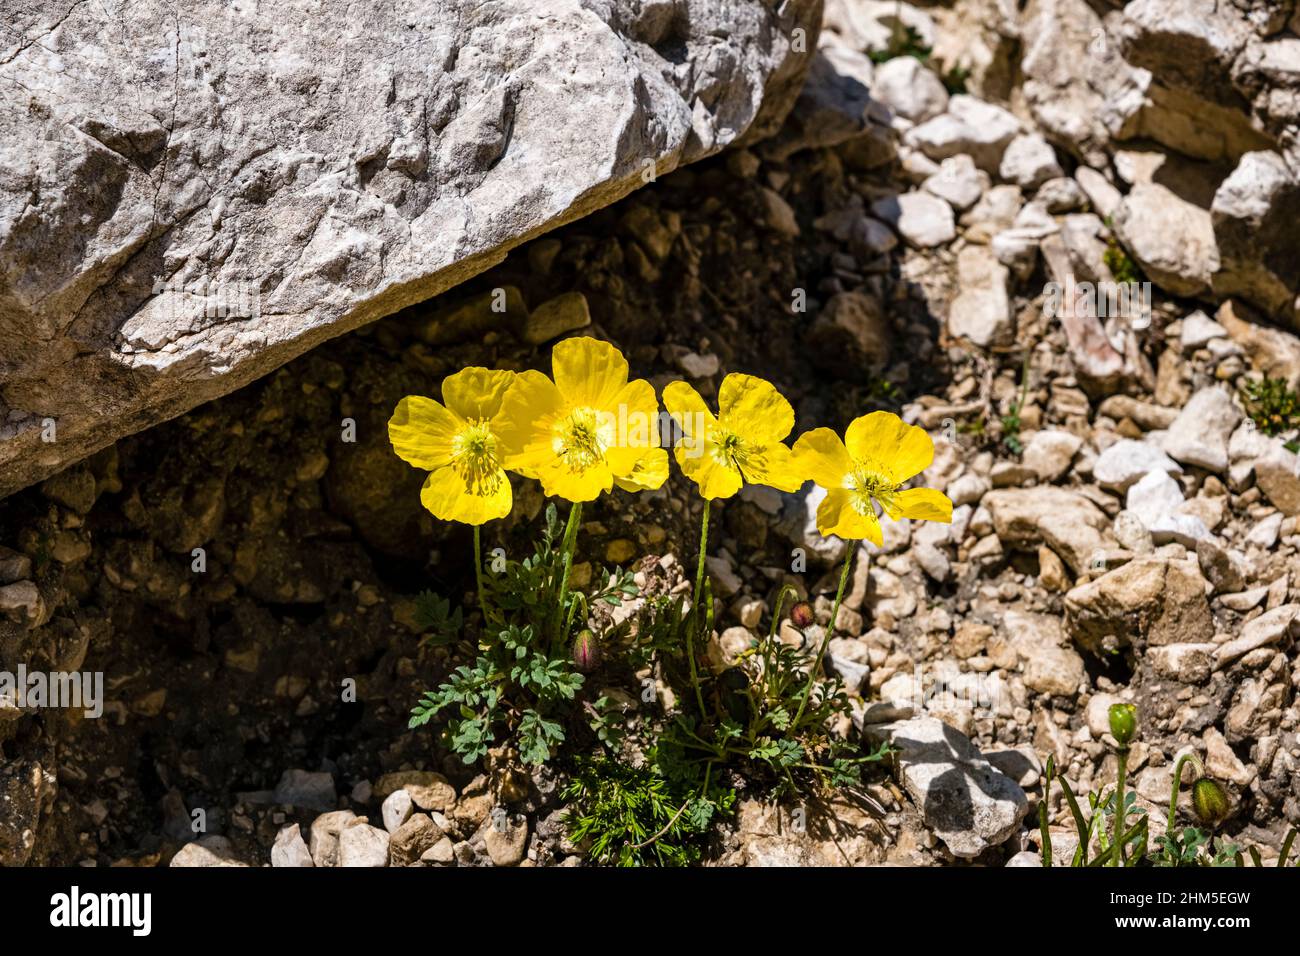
<point>192,196</point>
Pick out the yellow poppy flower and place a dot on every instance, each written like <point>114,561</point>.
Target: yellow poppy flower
<point>743,443</point>
<point>587,430</point>
<point>879,453</point>
<point>458,443</point>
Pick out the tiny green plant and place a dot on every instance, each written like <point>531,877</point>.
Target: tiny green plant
<point>523,678</point>
<point>1122,267</point>
<point>1011,421</point>
<point>1271,404</point>
<point>904,40</point>
<point>636,816</point>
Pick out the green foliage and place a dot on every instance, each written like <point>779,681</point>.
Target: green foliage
<point>1271,405</point>
<point>1011,421</point>
<point>1122,268</point>
<point>522,682</point>
<point>635,816</point>
<point>954,80</point>
<point>903,41</point>
<point>433,614</point>
<point>757,723</point>
<point>516,683</point>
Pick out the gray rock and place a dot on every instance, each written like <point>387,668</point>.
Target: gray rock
<point>302,788</point>
<point>1152,600</point>
<point>1171,239</point>
<point>1188,663</point>
<point>923,220</point>
<point>1157,501</point>
<point>1050,452</point>
<point>1199,435</point>
<point>1126,462</point>
<point>1254,220</point>
<point>910,89</point>
<point>324,836</point>
<point>958,182</point>
<point>363,846</point>
<point>972,126</point>
<point>1268,628</point>
<point>506,844</point>
<point>208,851</point>
<point>1066,521</point>
<point>554,317</point>
<point>1029,161</point>
<point>981,310</point>
<point>968,804</point>
<point>396,810</point>
<point>1199,330</point>
<point>389,154</point>
<point>413,839</point>
<point>14,566</point>
<point>290,849</point>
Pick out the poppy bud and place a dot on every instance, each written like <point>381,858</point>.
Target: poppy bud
<point>1123,723</point>
<point>1209,801</point>
<point>801,615</point>
<point>586,652</point>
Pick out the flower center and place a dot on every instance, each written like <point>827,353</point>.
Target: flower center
<point>867,482</point>
<point>580,439</point>
<point>474,459</point>
<point>730,450</point>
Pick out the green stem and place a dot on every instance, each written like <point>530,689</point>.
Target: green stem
<point>478,572</point>
<point>826,638</point>
<point>696,612</point>
<point>1121,755</point>
<point>1183,761</point>
<point>566,550</point>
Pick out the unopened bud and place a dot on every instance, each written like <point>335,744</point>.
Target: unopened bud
<point>1123,723</point>
<point>801,615</point>
<point>1209,801</point>
<point>586,652</point>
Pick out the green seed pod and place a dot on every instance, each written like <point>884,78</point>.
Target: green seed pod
<point>1123,723</point>
<point>1209,801</point>
<point>586,651</point>
<point>801,615</point>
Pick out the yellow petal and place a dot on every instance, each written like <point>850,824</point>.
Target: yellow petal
<point>421,432</point>
<point>837,517</point>
<point>445,494</point>
<point>774,467</point>
<point>924,504</point>
<point>821,456</point>
<point>588,372</point>
<point>523,425</point>
<point>886,440</point>
<point>754,409</point>
<point>475,393</point>
<point>692,415</point>
<point>635,416</point>
<point>715,479</point>
<point>648,473</point>
<point>558,481</point>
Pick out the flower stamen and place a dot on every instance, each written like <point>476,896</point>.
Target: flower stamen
<point>474,459</point>
<point>579,440</point>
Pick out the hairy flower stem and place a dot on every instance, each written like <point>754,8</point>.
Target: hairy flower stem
<point>695,608</point>
<point>1183,761</point>
<point>826,638</point>
<point>1117,857</point>
<point>478,571</point>
<point>566,551</point>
